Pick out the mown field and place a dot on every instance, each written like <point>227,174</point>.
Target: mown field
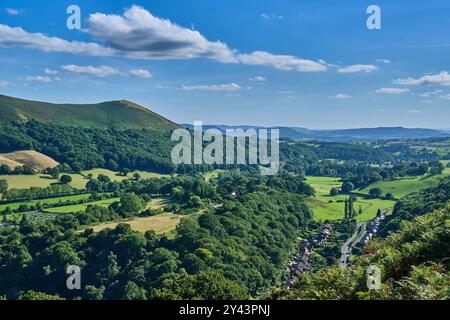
<point>82,207</point>
<point>402,187</point>
<point>326,207</point>
<point>78,180</point>
<point>16,205</point>
<point>162,223</point>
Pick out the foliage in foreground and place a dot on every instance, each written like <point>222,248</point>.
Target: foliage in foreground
<point>414,263</point>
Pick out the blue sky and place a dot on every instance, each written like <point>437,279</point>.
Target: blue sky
<point>311,63</point>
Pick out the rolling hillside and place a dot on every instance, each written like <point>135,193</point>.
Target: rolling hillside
<point>34,159</point>
<point>119,114</point>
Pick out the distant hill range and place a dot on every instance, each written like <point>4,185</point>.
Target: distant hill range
<point>363,134</point>
<point>128,115</point>
<point>119,114</point>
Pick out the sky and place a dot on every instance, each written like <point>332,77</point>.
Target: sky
<point>300,63</point>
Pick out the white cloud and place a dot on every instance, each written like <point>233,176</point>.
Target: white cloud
<point>341,96</point>
<point>139,34</point>
<point>415,111</point>
<point>258,78</point>
<point>430,93</point>
<point>213,87</point>
<point>284,92</point>
<point>282,62</point>
<point>101,72</point>
<point>446,97</point>
<point>50,71</point>
<point>442,79</point>
<point>17,37</point>
<point>358,68</point>
<point>38,79</point>
<point>13,11</point>
<point>392,90</point>
<point>383,61</point>
<point>266,16</point>
<point>4,83</point>
<point>141,73</point>
<point>232,95</point>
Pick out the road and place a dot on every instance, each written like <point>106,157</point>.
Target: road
<point>346,249</point>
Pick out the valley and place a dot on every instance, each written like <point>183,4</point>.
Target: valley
<point>109,197</point>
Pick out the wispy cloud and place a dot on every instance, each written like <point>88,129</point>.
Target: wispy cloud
<point>43,79</point>
<point>284,92</point>
<point>258,78</point>
<point>13,11</point>
<point>341,96</point>
<point>442,78</point>
<point>266,16</point>
<point>50,71</point>
<point>4,83</point>
<point>430,93</point>
<point>446,97</point>
<point>213,87</point>
<point>358,68</point>
<point>386,61</point>
<point>282,62</point>
<point>141,73</point>
<point>393,90</point>
<point>101,71</point>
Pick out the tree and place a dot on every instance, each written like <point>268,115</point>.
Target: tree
<point>436,168</point>
<point>375,192</point>
<point>389,196</point>
<point>347,187</point>
<point>65,179</point>
<point>136,176</point>
<point>4,169</point>
<point>334,192</point>
<point>131,203</point>
<point>3,186</point>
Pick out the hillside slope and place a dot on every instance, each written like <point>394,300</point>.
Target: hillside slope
<point>34,159</point>
<point>119,114</point>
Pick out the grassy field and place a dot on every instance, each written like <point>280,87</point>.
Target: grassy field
<point>401,187</point>
<point>159,203</point>
<point>162,223</point>
<point>82,207</point>
<point>16,205</point>
<point>78,180</point>
<point>323,209</point>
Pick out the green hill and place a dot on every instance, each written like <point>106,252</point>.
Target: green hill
<point>119,114</point>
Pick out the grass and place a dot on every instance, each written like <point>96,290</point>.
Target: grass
<point>119,114</point>
<point>323,209</point>
<point>82,207</point>
<point>163,223</point>
<point>401,187</point>
<point>28,181</point>
<point>16,205</point>
<point>159,203</point>
<point>78,180</point>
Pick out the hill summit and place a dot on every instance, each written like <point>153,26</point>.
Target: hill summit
<point>120,114</point>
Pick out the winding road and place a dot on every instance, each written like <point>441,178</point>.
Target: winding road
<point>346,249</point>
